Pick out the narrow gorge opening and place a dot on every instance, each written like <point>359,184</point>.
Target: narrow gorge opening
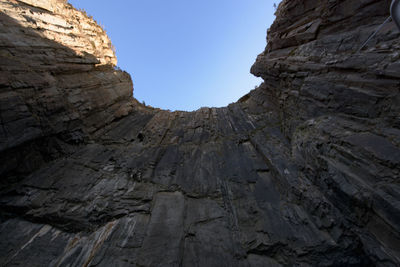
<point>183,56</point>
<point>302,171</point>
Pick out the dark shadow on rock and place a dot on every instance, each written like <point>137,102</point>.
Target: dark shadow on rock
<point>301,171</point>
<point>51,98</point>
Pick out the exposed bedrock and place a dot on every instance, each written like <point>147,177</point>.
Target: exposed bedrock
<point>302,171</point>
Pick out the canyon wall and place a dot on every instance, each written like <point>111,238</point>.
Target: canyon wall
<point>302,171</point>
<point>58,82</point>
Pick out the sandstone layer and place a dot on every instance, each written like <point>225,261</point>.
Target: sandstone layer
<point>302,171</point>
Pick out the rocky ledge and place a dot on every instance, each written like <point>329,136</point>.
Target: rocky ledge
<point>302,171</point>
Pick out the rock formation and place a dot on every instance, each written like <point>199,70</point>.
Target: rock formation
<point>302,171</point>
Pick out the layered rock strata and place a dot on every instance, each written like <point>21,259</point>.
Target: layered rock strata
<point>58,82</point>
<point>302,171</point>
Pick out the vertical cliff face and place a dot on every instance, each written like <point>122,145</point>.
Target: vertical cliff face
<point>302,171</point>
<point>313,66</point>
<point>340,107</point>
<point>58,83</point>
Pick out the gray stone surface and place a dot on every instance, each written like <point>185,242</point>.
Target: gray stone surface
<point>302,171</point>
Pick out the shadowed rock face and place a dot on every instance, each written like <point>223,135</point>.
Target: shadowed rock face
<point>303,170</point>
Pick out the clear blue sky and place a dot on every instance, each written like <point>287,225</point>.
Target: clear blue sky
<point>183,55</point>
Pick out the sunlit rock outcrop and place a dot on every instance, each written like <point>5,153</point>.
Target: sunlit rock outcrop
<point>302,171</point>
<point>58,82</point>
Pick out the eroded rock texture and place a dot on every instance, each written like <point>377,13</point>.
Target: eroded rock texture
<point>302,171</point>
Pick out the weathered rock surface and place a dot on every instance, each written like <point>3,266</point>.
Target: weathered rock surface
<point>302,171</point>
<point>57,81</point>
